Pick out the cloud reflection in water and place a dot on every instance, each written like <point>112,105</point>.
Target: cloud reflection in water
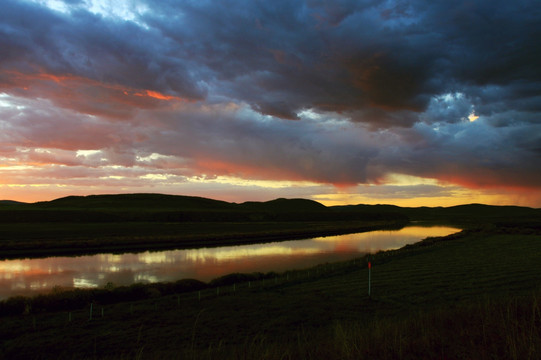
<point>29,276</point>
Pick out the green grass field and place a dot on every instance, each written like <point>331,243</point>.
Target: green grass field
<point>473,296</point>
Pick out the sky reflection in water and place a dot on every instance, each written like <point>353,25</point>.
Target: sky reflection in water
<point>29,276</point>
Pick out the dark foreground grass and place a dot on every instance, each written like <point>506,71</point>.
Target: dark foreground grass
<point>474,296</point>
<point>507,328</point>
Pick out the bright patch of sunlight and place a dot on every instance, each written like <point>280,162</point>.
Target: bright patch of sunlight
<point>112,177</point>
<point>236,253</point>
<point>15,167</point>
<point>310,114</point>
<point>154,177</point>
<point>84,283</point>
<point>87,153</point>
<point>472,117</point>
<point>408,180</point>
<point>6,103</point>
<point>14,266</point>
<point>36,285</point>
<point>111,258</point>
<point>145,278</point>
<point>151,157</point>
<point>42,151</point>
<point>272,184</point>
<point>154,258</point>
<point>109,268</point>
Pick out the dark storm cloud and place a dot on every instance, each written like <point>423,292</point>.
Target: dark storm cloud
<point>285,56</point>
<point>281,57</point>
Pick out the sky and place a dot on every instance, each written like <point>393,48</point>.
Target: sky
<point>413,103</point>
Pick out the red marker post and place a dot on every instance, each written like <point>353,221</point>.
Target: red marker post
<point>369,270</point>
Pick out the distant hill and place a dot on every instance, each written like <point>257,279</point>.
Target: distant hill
<point>178,208</point>
<point>11,202</point>
<point>165,208</point>
<point>461,215</point>
<point>136,201</point>
<point>12,205</point>
<point>286,205</point>
<point>367,208</point>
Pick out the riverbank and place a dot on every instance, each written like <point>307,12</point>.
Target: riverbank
<point>474,293</point>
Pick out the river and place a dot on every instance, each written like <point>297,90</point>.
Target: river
<point>32,276</point>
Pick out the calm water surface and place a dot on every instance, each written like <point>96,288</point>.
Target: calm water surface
<point>31,276</point>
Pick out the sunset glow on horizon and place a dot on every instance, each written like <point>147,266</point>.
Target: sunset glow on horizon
<point>394,102</point>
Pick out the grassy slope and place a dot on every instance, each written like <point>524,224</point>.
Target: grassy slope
<point>449,299</point>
